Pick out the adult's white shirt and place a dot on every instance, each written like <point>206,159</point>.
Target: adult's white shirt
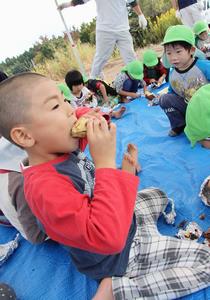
<point>112,15</point>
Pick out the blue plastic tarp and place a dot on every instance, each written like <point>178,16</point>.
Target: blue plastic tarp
<point>46,272</point>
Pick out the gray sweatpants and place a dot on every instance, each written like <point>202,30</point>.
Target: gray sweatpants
<point>105,43</point>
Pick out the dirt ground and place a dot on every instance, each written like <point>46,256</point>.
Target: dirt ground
<point>114,65</point>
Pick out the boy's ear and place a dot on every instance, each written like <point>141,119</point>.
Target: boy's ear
<point>192,50</point>
<point>22,137</point>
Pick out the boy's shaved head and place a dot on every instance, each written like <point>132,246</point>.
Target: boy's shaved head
<point>15,100</point>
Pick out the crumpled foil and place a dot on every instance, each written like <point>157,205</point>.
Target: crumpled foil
<point>191,232</point>
<point>205,192</point>
<point>7,249</point>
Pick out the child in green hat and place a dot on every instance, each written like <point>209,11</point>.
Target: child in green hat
<point>129,80</point>
<point>198,117</point>
<point>154,71</point>
<point>187,75</point>
<point>198,129</point>
<point>202,39</point>
<point>65,91</point>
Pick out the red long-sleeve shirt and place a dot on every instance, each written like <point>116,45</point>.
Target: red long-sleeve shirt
<point>99,224</point>
<point>96,223</point>
<point>154,73</point>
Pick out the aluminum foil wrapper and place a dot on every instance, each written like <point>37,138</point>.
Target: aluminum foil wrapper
<point>205,192</point>
<point>7,249</point>
<point>192,232</point>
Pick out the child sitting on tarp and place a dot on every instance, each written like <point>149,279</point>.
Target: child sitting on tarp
<point>82,96</point>
<point>101,89</point>
<point>129,80</point>
<point>187,75</point>
<point>202,40</point>
<point>198,129</point>
<point>154,71</point>
<point>198,117</point>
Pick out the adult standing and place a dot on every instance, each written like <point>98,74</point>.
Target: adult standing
<point>189,11</point>
<point>112,28</point>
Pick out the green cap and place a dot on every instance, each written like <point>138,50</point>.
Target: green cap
<point>150,58</point>
<point>198,115</point>
<point>179,33</point>
<point>200,26</point>
<point>134,69</point>
<point>65,91</point>
<point>85,78</point>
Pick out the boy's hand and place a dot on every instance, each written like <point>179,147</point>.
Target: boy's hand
<point>152,80</point>
<point>102,142</point>
<point>161,79</point>
<point>135,95</point>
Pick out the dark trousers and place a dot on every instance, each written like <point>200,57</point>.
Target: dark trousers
<point>130,85</point>
<point>174,107</point>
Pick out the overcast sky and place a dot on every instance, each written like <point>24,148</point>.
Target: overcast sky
<point>24,21</point>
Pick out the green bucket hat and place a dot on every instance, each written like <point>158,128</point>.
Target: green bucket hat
<point>85,78</point>
<point>150,58</point>
<point>198,115</point>
<point>179,33</point>
<point>200,26</point>
<point>134,69</point>
<point>65,91</point>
